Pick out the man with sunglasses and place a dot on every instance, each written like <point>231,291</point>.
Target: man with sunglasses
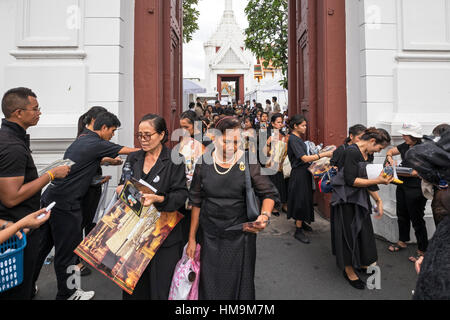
<point>20,184</point>
<point>63,230</point>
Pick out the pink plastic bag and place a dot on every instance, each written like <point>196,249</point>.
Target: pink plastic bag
<point>186,277</point>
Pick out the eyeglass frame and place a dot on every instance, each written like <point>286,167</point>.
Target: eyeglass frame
<point>148,136</point>
<point>33,110</point>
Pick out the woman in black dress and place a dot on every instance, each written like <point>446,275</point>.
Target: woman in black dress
<point>300,191</point>
<point>353,232</point>
<point>218,196</point>
<point>153,164</point>
<point>354,135</point>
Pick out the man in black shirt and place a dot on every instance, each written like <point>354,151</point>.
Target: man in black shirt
<point>20,185</point>
<point>64,227</point>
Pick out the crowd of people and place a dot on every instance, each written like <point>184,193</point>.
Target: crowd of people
<point>253,151</point>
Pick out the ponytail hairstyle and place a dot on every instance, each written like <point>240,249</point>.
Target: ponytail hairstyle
<point>159,124</point>
<point>296,120</point>
<point>87,118</point>
<point>356,130</point>
<point>381,136</point>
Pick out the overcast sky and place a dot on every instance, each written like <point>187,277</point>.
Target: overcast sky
<point>211,12</point>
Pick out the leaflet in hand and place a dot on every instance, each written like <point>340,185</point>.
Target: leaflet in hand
<point>58,163</point>
<point>132,193</point>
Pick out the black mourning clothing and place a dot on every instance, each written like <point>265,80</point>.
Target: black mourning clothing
<point>300,190</point>
<point>227,257</point>
<point>16,161</point>
<point>354,241</point>
<point>169,179</point>
<point>63,230</point>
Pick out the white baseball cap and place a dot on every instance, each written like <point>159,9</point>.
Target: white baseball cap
<point>412,129</point>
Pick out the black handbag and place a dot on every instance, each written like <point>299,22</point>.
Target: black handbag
<point>252,201</point>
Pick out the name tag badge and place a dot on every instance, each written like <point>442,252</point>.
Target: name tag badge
<point>156,180</point>
<point>242,166</point>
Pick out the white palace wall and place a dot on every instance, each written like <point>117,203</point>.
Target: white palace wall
<point>74,54</point>
<point>398,69</point>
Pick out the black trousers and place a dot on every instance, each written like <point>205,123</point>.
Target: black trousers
<point>411,209</point>
<point>89,207</point>
<point>31,251</point>
<point>63,231</point>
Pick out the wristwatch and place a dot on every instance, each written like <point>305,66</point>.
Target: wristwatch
<point>3,227</point>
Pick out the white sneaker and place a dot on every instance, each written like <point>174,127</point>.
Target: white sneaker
<point>82,295</point>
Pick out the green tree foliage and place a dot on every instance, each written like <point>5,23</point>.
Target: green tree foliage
<point>267,33</point>
<point>190,17</point>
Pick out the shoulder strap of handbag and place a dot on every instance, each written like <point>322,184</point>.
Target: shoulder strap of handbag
<point>248,181</point>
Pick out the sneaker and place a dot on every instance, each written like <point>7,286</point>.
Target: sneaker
<point>82,295</point>
<point>300,236</point>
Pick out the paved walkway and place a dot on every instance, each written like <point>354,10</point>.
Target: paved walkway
<point>288,270</point>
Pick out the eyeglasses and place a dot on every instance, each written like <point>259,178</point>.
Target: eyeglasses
<point>145,136</point>
<point>33,110</point>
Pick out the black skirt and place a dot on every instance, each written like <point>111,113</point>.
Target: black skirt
<point>227,266</point>
<point>300,195</point>
<point>359,252</point>
<point>280,184</point>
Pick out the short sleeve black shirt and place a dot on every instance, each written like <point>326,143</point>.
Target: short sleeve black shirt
<point>87,152</point>
<point>407,181</point>
<point>16,161</point>
<point>296,150</point>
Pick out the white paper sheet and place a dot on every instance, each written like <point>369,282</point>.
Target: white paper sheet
<point>374,170</point>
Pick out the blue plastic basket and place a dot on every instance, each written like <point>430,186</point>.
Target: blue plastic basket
<point>11,263</point>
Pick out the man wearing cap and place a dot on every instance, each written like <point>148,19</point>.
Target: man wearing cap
<point>410,200</point>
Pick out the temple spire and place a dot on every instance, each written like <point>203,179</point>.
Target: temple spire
<point>228,5</point>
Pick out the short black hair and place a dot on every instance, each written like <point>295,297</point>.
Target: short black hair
<point>274,99</point>
<point>440,129</point>
<point>15,99</point>
<point>296,120</point>
<point>107,119</point>
<point>275,117</point>
<point>191,105</point>
<point>217,101</point>
<point>268,101</point>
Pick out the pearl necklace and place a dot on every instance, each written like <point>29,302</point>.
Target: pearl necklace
<point>229,169</point>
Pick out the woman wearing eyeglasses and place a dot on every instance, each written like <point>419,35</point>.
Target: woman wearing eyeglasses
<point>218,198</point>
<point>153,164</point>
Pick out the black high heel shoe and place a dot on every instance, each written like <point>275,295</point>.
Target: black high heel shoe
<point>357,284</point>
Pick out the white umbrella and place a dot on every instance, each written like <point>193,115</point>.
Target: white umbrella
<point>190,87</point>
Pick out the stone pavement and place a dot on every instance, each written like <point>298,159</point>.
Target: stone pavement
<point>288,270</point>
